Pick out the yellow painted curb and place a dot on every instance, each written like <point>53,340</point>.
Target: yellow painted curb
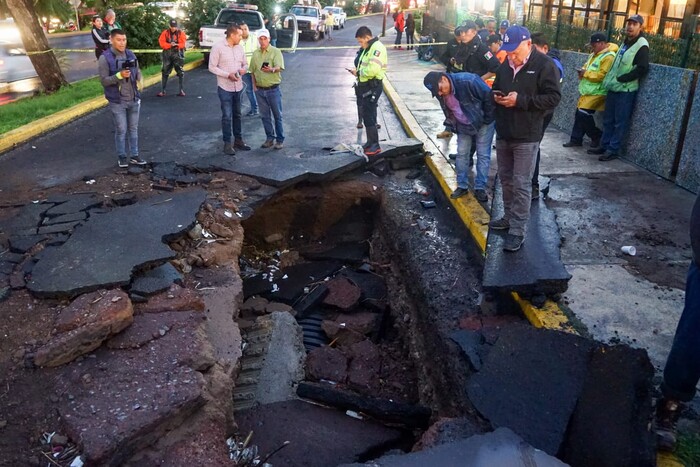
<point>474,216</point>
<point>21,135</point>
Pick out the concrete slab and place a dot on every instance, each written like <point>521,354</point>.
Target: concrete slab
<point>469,342</point>
<point>109,247</point>
<point>689,167</point>
<point>58,228</point>
<point>319,437</point>
<point>537,267</point>
<point>530,382</point>
<point>610,426</point>
<point>623,316</point>
<point>29,216</point>
<point>73,217</point>
<point>22,244</point>
<point>75,203</point>
<point>156,280</point>
<point>499,448</point>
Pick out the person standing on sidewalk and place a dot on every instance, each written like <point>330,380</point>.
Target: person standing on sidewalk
<point>399,25</point>
<point>370,72</point>
<point>250,44</point>
<point>100,36</point>
<point>227,61</point>
<point>622,82</point>
<point>172,41</point>
<point>592,92</point>
<point>410,30</point>
<point>526,87</point>
<point>266,66</point>
<point>121,78</point>
<point>682,370</point>
<point>468,107</point>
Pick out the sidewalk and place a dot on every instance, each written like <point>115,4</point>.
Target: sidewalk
<point>600,206</point>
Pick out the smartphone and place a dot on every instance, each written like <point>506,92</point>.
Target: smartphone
<point>265,64</point>
<point>498,93</point>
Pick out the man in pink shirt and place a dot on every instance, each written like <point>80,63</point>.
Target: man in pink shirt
<point>227,61</point>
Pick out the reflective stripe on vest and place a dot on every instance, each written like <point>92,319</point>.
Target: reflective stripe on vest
<point>624,64</point>
<point>373,63</point>
<point>590,88</point>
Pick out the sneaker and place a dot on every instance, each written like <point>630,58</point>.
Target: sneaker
<point>481,196</point>
<point>161,94</point>
<point>228,149</point>
<point>667,414</point>
<point>444,134</point>
<point>608,156</point>
<point>372,150</point>
<point>268,143</point>
<point>596,150</point>
<point>181,93</point>
<point>278,145</point>
<point>252,113</point>
<point>500,224</point>
<point>123,162</point>
<point>459,192</point>
<point>572,144</point>
<point>137,160</point>
<point>360,125</point>
<point>535,192</point>
<point>239,144</point>
<point>513,242</point>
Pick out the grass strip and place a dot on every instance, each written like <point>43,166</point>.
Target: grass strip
<point>27,110</point>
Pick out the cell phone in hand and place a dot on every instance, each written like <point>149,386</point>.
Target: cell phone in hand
<point>265,64</point>
<point>498,93</point>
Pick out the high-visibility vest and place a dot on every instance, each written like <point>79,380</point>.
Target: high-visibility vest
<point>373,62</point>
<point>623,64</point>
<point>590,88</point>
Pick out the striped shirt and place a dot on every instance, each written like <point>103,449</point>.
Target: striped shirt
<point>225,59</point>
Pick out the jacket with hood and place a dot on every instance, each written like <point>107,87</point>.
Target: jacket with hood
<point>591,85</point>
<point>474,98</point>
<point>537,85</point>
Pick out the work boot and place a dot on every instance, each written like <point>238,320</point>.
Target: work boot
<point>608,156</point>
<point>513,242</point>
<point>278,145</point>
<point>481,196</point>
<point>268,143</point>
<point>228,149</point>
<point>445,134</point>
<point>572,144</point>
<point>239,144</point>
<point>667,414</point>
<point>459,192</point>
<point>596,150</point>
<point>500,224</point>
<point>373,150</point>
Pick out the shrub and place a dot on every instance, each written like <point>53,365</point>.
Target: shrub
<point>143,26</point>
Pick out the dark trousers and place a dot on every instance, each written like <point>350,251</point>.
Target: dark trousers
<point>584,124</point>
<point>369,116</point>
<point>172,60</point>
<point>682,369</point>
<point>409,39</point>
<point>616,119</point>
<point>536,173</point>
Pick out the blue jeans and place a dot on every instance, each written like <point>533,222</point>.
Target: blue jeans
<point>126,118</point>
<point>682,370</point>
<point>230,114</point>
<point>270,101</point>
<point>248,81</point>
<point>616,119</point>
<point>484,138</point>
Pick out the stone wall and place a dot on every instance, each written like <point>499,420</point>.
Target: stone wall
<point>657,121</point>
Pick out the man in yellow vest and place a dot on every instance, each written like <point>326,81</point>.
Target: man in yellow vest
<point>370,72</point>
<point>592,92</point>
<point>622,82</point>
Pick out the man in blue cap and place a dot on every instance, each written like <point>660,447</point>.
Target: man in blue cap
<point>622,82</point>
<point>505,24</point>
<point>525,88</point>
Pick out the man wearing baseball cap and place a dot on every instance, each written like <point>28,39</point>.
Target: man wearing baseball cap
<point>503,27</point>
<point>525,88</point>
<point>592,92</point>
<point>266,66</point>
<point>172,41</point>
<point>622,82</point>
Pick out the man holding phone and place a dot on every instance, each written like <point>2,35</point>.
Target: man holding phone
<point>121,79</point>
<point>525,88</point>
<point>266,65</point>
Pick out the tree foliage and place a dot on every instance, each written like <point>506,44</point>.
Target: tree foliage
<point>200,13</point>
<point>143,26</point>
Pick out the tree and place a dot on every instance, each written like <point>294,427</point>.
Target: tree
<point>35,43</point>
<point>199,13</point>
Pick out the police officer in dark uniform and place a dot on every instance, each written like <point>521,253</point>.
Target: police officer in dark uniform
<point>473,55</point>
<point>448,57</point>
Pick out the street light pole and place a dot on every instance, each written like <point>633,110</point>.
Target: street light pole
<point>386,7</point>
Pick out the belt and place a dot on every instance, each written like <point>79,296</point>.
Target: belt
<point>274,86</point>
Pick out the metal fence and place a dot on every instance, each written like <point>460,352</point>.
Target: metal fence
<point>569,33</point>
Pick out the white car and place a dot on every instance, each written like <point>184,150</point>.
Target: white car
<point>14,63</point>
<point>339,16</point>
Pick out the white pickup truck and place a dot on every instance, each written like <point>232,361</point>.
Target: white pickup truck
<point>234,13</point>
<point>310,20</point>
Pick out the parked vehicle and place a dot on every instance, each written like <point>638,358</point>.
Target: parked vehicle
<point>309,20</point>
<point>14,63</point>
<point>339,16</point>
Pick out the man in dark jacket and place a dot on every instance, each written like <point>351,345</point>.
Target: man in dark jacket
<point>525,88</point>
<point>682,370</point>
<point>466,102</point>
<point>473,55</point>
